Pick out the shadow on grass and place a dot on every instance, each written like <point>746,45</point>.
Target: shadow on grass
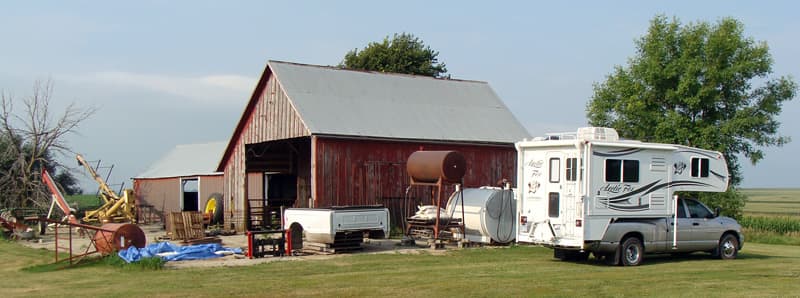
<point>65,265</point>
<point>656,259</point>
<point>694,257</point>
<point>112,261</point>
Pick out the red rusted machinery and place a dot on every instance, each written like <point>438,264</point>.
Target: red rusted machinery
<point>436,169</point>
<point>107,239</point>
<point>432,167</point>
<point>58,198</point>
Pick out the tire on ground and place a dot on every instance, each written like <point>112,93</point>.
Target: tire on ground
<point>570,255</point>
<point>728,247</point>
<point>296,231</point>
<point>631,252</point>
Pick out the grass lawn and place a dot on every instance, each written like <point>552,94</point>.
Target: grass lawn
<point>761,270</point>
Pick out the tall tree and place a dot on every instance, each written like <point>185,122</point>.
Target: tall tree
<point>28,141</point>
<point>404,53</point>
<point>700,84</point>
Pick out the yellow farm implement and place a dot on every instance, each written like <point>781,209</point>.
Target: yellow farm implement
<point>115,208</point>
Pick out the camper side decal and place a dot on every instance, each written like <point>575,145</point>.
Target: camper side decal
<point>720,177</point>
<point>617,153</point>
<point>533,185</point>
<point>679,167</point>
<point>630,199</point>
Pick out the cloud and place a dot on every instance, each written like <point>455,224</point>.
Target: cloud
<point>206,89</point>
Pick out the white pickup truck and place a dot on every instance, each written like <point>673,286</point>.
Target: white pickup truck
<point>329,225</point>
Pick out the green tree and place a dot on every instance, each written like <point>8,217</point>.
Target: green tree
<point>703,85</point>
<point>404,53</point>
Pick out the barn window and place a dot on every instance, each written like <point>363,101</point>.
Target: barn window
<point>699,167</point>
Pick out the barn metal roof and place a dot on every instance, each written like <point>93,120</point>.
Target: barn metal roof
<point>187,160</point>
<point>334,101</point>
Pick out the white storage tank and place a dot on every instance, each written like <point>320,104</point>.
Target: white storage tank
<point>489,213</point>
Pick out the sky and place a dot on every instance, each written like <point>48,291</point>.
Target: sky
<point>164,73</point>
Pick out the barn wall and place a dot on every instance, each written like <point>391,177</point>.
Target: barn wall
<point>208,186</point>
<point>366,172</point>
<point>272,118</point>
<point>162,194</point>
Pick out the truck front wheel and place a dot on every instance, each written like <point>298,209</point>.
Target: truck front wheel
<point>632,251</point>
<point>728,247</point>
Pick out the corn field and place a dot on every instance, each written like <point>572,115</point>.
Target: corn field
<point>777,224</point>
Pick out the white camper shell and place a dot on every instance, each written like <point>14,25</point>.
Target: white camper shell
<point>572,186</point>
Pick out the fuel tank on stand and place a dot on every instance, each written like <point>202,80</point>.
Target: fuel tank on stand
<point>489,213</point>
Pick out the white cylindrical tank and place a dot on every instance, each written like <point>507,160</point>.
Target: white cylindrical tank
<point>488,213</point>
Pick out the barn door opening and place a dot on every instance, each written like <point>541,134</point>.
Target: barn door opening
<point>190,195</point>
<point>385,184</point>
<point>280,189</point>
<point>286,168</point>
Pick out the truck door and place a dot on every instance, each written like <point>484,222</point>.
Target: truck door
<point>686,234</point>
<point>704,234</point>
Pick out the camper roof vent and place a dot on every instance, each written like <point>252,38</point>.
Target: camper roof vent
<point>597,134</point>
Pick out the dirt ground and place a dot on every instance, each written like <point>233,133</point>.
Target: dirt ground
<point>155,232</point>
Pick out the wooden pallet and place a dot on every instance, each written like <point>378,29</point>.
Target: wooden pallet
<point>342,242</point>
<point>326,248</point>
<point>187,226</point>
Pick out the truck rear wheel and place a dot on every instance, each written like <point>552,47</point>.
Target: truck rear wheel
<point>561,254</point>
<point>570,255</point>
<point>632,251</point>
<point>611,259</point>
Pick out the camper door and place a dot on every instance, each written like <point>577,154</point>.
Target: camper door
<point>561,192</point>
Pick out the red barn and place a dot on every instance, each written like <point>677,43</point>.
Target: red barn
<point>323,136</point>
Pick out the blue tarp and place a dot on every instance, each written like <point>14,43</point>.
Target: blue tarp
<point>175,253</point>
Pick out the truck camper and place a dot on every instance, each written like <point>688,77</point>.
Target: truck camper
<point>590,192</point>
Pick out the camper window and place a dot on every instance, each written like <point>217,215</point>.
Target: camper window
<point>613,170</point>
<point>630,171</point>
<point>552,206</point>
<point>572,169</point>
<point>618,170</point>
<point>555,170</point>
<point>699,167</point>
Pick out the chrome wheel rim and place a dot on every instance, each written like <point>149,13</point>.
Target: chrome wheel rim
<point>632,254</point>
<point>728,248</point>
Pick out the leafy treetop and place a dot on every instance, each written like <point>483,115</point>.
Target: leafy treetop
<point>700,84</point>
<point>403,53</point>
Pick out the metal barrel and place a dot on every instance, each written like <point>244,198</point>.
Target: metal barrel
<point>114,237</point>
<point>429,166</point>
